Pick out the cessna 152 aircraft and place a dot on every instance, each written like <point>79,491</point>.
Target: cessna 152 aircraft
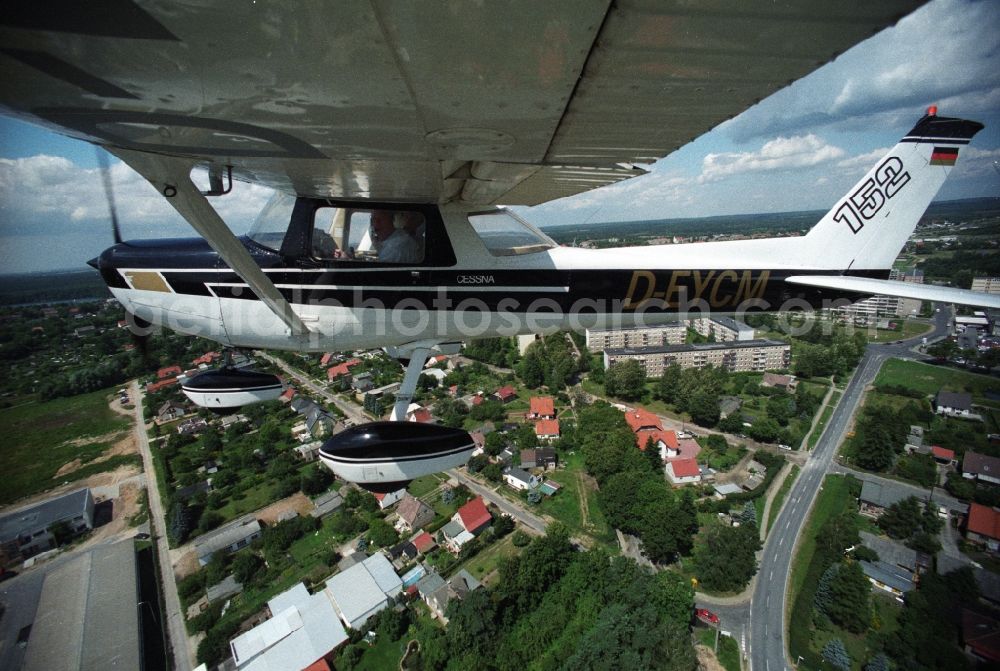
<point>392,130</point>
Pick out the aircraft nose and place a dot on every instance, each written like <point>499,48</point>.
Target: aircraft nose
<point>95,263</point>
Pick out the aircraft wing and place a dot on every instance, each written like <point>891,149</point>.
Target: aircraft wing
<point>925,292</point>
<point>515,102</point>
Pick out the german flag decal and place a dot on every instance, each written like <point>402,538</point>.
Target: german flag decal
<point>944,155</point>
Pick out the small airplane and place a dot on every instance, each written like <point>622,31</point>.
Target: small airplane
<point>391,135</point>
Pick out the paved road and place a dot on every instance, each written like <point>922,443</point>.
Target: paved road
<point>765,618</point>
<point>179,643</point>
<point>353,412</point>
<point>518,513</point>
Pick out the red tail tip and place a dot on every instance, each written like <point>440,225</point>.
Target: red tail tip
<point>932,110</point>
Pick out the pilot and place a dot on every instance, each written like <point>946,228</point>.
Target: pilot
<point>392,244</point>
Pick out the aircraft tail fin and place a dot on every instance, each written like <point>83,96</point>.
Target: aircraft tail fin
<point>868,227</point>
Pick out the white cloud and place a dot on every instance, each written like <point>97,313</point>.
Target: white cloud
<point>863,162</point>
<point>783,153</point>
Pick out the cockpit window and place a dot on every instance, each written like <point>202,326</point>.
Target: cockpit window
<point>271,224</point>
<point>374,235</point>
<point>506,234</point>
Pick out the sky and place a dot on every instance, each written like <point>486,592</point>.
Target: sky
<point>800,149</point>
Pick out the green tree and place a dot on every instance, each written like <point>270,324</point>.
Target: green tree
<point>850,603</point>
<point>725,557</point>
<point>247,567</point>
<point>625,379</point>
<point>381,533</point>
<point>836,655</point>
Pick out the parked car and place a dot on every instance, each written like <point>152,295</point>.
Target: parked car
<point>706,616</point>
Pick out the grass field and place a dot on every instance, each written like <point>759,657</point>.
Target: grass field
<point>729,651</point>
<point>836,496</point>
<point>487,561</point>
<point>824,418</point>
<point>931,379</point>
<point>779,498</point>
<point>910,329</point>
<point>42,437</point>
<point>565,506</point>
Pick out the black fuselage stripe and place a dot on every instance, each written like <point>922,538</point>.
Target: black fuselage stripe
<point>384,460</point>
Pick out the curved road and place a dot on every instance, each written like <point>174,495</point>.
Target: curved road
<point>763,623</point>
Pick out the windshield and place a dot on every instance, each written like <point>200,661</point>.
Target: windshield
<point>271,224</point>
<point>506,234</point>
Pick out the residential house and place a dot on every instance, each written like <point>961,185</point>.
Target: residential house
<point>362,383</point>
<point>896,554</point>
<point>326,358</point>
<point>225,589</point>
<point>326,504</point>
<point>341,370</point>
<point>474,516</point>
<point>421,415</point>
<point>683,471</point>
<point>888,578</point>
<point>170,410</point>
<point>386,499</point>
<point>547,429</point>
<point>915,441</point>
<point>942,455</point>
<point>363,589</point>
<point>192,426</point>
<point>438,593</point>
<point>877,496</point>
<point>542,407</point>
<point>192,490</point>
<point>84,331</point>
<point>980,636</point>
<point>982,526</point>
<point>981,468</point>
<point>302,633</point>
<point>206,359</point>
<point>413,514</point>
<point>785,382</point>
<point>954,404</point>
<point>641,419</point>
<point>309,451</point>
<point>402,553</point>
<point>424,542</point>
<point>27,531</point>
<point>154,387</point>
<point>287,395</point>
<point>229,538</point>
<point>435,373</point>
<point>505,394</point>
<point>454,535</point>
<point>168,372</point>
<point>520,479</point>
<point>479,439</point>
<point>543,457</point>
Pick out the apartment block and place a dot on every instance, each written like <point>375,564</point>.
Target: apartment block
<point>739,356</point>
<point>599,340</point>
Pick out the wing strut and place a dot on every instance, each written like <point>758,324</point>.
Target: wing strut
<point>171,176</point>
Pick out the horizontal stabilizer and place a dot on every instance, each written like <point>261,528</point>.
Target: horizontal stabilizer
<point>924,292</point>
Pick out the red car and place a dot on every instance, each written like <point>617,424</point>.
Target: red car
<point>706,616</point>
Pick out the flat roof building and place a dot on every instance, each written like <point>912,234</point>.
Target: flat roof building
<point>599,340</point>
<point>26,532</point>
<point>229,538</point>
<point>738,356</point>
<point>88,614</point>
<point>363,590</point>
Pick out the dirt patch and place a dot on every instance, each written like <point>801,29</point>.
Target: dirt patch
<point>584,507</point>
<point>298,502</point>
<point>126,445</point>
<point>186,565</point>
<point>707,661</point>
<point>96,480</point>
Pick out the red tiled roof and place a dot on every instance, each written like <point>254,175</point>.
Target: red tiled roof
<point>169,371</point>
<point>378,495</point>
<point>669,438</point>
<point>422,415</point>
<point>982,634</point>
<point>477,399</point>
<point>542,405</point>
<point>326,359</point>
<point>334,372</point>
<point>685,468</point>
<point>423,542</point>
<point>640,418</point>
<point>942,453</point>
<point>207,357</point>
<point>984,521</point>
<point>474,514</point>
<point>506,391</point>
<point>319,665</point>
<point>547,427</point>
<point>154,387</point>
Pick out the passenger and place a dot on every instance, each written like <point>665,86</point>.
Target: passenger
<point>393,245</point>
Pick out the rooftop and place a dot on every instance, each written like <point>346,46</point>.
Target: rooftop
<point>981,464</point>
<point>685,468</point>
<point>547,427</point>
<point>363,586</point>
<point>542,405</point>
<point>474,514</point>
<point>888,575</point>
<point>87,616</point>
<point>641,418</point>
<point>984,521</point>
<point>227,535</point>
<point>883,494</point>
<point>951,399</point>
<point>42,515</point>
<point>698,347</point>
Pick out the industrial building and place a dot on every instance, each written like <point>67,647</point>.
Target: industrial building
<point>28,531</point>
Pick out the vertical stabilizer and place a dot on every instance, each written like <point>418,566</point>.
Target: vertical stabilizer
<point>868,227</point>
